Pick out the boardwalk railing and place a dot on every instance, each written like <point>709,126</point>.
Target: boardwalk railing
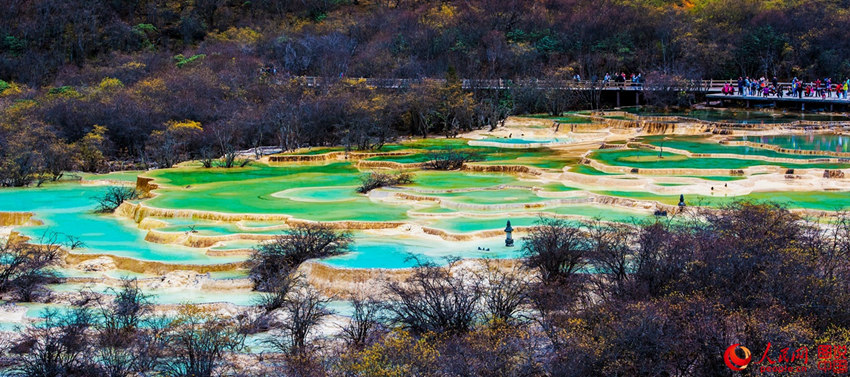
<point>502,84</point>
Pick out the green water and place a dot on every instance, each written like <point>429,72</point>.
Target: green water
<point>525,141</point>
<point>819,200</point>
<point>567,118</point>
<point>648,160</point>
<point>589,170</point>
<point>250,190</point>
<point>464,224</point>
<point>700,144</point>
<point>442,180</point>
<point>808,142</point>
<point>598,212</point>
<point>492,196</point>
<point>128,176</point>
<point>475,224</point>
<point>543,158</point>
<point>718,178</point>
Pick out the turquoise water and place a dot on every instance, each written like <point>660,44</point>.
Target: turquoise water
<point>394,252</point>
<point>525,141</point>
<point>474,224</point>
<point>807,142</point>
<point>166,296</point>
<point>68,209</point>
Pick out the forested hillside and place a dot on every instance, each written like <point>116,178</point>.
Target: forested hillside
<point>151,83</point>
<point>43,40</point>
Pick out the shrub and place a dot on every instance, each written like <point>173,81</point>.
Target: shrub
<point>433,299</point>
<point>65,89</point>
<point>375,180</point>
<point>114,196</point>
<point>449,159</point>
<point>181,60</point>
<point>272,262</point>
<point>25,266</point>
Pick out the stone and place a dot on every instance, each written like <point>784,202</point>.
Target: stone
<point>97,264</point>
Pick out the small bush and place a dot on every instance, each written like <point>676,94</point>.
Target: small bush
<point>181,60</point>
<point>375,180</point>
<point>272,262</point>
<point>114,196</point>
<point>65,89</point>
<point>449,159</point>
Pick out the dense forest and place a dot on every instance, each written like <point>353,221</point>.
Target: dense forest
<point>102,84</point>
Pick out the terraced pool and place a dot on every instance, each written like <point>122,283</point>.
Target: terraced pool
<point>213,217</point>
<point>808,142</point>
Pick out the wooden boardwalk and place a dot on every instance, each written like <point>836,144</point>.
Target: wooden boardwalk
<point>704,86</point>
<point>811,103</point>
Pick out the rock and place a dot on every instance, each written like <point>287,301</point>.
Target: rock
<point>179,279</point>
<point>833,173</point>
<point>97,264</point>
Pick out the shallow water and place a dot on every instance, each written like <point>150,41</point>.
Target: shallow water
<point>744,116</point>
<point>701,144</point>
<point>395,252</point>
<point>820,200</point>
<point>68,209</point>
<point>526,141</point>
<point>648,159</point>
<point>807,142</point>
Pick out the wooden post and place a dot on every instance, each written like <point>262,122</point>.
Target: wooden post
<point>618,98</point>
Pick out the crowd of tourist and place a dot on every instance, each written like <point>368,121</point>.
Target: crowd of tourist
<point>826,88</point>
<point>635,78</point>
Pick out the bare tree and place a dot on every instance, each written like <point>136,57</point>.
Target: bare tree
<point>227,138</point>
<point>114,196</point>
<point>123,348</point>
<point>504,291</point>
<point>26,266</point>
<point>273,261</point>
<point>274,296</point>
<point>449,159</point>
<point>197,343</point>
<point>58,346</point>
<point>610,254</point>
<point>556,250</point>
<point>433,299</point>
<point>305,309</point>
<point>373,180</point>
<point>363,322</point>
